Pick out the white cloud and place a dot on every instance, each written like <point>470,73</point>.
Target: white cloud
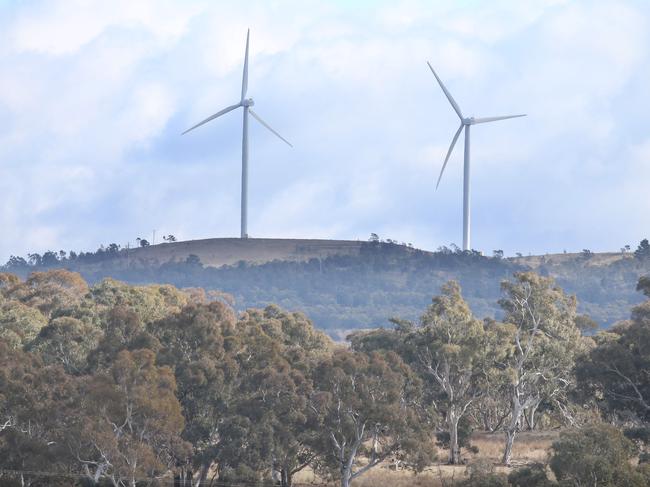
<point>94,94</point>
<point>64,27</point>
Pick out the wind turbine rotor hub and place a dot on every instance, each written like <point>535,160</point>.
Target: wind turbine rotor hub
<point>247,102</point>
<point>468,121</point>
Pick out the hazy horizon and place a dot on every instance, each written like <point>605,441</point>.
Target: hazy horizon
<point>94,96</point>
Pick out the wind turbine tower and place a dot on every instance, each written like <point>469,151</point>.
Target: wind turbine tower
<point>246,104</point>
<point>466,123</point>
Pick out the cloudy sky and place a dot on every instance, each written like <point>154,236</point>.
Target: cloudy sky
<point>94,96</point>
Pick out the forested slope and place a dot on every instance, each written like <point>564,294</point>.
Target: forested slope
<point>380,281</point>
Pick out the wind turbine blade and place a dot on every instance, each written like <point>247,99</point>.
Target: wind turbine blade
<point>447,94</point>
<point>257,117</point>
<point>244,81</point>
<point>218,114</point>
<point>495,119</point>
<point>451,148</point>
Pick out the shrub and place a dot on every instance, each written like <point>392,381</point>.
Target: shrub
<point>598,455</point>
<point>481,474</point>
<point>531,476</point>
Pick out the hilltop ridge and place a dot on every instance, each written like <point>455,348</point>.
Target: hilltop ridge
<point>344,284</point>
<point>217,252</point>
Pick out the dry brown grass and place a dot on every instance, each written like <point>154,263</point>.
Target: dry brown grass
<point>596,259</point>
<point>530,447</point>
<point>216,252</point>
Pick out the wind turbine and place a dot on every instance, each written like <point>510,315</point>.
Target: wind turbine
<point>465,122</point>
<point>246,104</point>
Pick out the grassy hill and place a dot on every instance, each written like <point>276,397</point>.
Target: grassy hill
<point>343,285</point>
<point>217,252</point>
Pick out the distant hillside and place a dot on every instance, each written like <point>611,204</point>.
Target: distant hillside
<point>344,285</point>
<point>217,252</point>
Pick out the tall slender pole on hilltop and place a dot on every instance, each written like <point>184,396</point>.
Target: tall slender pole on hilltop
<point>466,194</point>
<point>244,177</point>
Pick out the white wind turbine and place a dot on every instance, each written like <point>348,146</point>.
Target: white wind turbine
<point>246,104</point>
<point>464,122</point>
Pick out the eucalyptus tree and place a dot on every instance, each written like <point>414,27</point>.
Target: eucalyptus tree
<point>7,282</point>
<point>150,303</point>
<point>130,421</point>
<point>293,331</point>
<point>274,400</point>
<point>121,329</point>
<point>368,413</point>
<point>244,384</point>
<point>544,341</point>
<point>453,353</point>
<point>199,343</point>
<point>37,404</point>
<point>492,408</point>
<point>19,323</point>
<point>48,291</point>
<point>276,389</point>
<point>67,341</point>
<point>454,350</point>
<point>615,372</point>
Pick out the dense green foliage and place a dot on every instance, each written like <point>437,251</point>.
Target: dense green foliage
<point>596,455</point>
<point>117,383</point>
<point>120,385</point>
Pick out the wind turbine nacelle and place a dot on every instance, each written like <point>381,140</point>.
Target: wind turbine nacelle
<point>248,102</point>
<point>468,121</point>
